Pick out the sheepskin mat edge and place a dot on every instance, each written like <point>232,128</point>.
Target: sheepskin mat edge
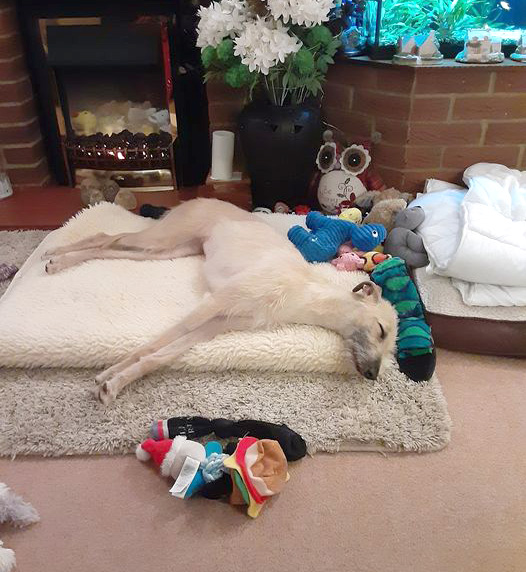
<point>51,412</point>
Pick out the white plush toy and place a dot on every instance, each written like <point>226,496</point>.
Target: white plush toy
<point>20,513</point>
<point>339,183</point>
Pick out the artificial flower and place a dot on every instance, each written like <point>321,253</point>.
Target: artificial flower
<point>221,20</point>
<point>301,12</point>
<point>263,43</point>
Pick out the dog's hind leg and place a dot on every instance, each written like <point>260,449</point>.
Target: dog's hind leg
<point>157,355</point>
<point>64,261</point>
<point>99,240</point>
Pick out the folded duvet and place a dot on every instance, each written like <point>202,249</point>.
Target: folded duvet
<point>478,236</point>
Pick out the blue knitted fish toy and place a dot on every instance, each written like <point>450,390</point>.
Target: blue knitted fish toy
<point>327,234</point>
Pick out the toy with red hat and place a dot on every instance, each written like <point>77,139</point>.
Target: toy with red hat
<point>188,462</point>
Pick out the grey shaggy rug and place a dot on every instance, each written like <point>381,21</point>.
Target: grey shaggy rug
<point>51,412</point>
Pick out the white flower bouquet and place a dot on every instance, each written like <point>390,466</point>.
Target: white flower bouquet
<point>282,46</point>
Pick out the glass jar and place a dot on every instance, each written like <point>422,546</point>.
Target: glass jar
<point>354,33</point>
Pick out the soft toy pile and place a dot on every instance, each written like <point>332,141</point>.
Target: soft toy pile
<point>116,116</point>
<point>328,234</point>
<point>254,472</point>
<point>247,472</point>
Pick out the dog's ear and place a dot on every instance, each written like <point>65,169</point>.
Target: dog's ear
<point>368,291</point>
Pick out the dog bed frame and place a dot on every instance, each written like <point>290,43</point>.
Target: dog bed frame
<point>499,331</point>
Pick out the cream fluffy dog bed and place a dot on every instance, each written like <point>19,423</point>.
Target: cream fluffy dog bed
<point>94,314</point>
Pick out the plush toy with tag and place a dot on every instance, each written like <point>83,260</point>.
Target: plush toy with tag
<point>344,174</point>
<point>188,462</point>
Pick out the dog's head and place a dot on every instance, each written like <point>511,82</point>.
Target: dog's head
<point>371,337</point>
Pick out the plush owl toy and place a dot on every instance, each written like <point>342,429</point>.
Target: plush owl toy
<point>344,175</point>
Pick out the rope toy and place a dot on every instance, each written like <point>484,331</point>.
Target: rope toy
<point>212,467</point>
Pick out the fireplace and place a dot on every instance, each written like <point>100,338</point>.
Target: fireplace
<point>114,102</point>
<point>118,88</point>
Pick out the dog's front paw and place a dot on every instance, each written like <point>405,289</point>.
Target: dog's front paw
<point>105,393</point>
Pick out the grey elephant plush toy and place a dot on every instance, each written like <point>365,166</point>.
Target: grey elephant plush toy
<point>403,242</point>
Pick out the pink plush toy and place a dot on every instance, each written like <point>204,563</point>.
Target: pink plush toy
<point>348,261</point>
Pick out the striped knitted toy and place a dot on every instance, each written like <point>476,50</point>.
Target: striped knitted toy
<point>416,354</point>
<point>327,234</point>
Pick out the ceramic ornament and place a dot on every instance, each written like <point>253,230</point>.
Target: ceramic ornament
<point>418,50</point>
<point>6,190</point>
<point>481,47</point>
<point>520,53</point>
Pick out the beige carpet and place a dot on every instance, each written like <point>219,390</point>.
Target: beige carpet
<point>459,510</point>
<point>52,412</point>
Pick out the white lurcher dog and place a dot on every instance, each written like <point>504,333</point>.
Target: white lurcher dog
<point>257,279</point>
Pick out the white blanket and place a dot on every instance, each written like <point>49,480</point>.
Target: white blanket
<point>478,236</point>
<point>94,314</point>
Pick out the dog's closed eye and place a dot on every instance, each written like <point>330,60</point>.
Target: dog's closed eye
<point>382,332</point>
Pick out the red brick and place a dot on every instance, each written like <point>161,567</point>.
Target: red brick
<point>16,134</point>
<point>511,79</point>
<point>381,104</point>
<point>17,113</point>
<point>414,181</point>
<point>392,156</point>
<point>391,130</point>
<point>430,108</point>
<point>397,79</point>
<point>337,95</point>
<point>351,124</point>
<point>219,92</point>
<point>224,112</point>
<point>24,155</point>
<point>391,177</point>
<point>10,47</point>
<point>452,80</point>
<point>8,21</point>
<point>419,157</point>
<point>463,157</point>
<point>445,133</point>
<point>491,107</point>
<point>15,91</point>
<point>506,132</point>
<point>30,175</point>
<point>344,73</point>
<point>13,69</point>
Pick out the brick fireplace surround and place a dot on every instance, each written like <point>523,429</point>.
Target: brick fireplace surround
<point>425,122</point>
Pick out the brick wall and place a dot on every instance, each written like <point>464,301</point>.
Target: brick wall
<point>21,150</point>
<point>426,122</point>
<point>434,121</point>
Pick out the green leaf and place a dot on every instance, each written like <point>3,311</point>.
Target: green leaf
<point>322,65</point>
<point>208,56</point>
<point>304,61</point>
<point>225,50</point>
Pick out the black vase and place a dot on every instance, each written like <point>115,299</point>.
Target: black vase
<point>280,146</point>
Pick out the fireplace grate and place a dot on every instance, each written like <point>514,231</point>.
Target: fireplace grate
<point>124,150</point>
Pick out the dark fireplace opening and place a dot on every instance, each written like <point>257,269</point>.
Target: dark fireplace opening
<point>119,88</point>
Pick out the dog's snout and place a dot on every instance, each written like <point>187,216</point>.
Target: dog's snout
<point>371,372</point>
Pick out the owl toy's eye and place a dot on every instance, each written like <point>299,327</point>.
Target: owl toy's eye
<point>355,159</point>
<point>374,233</point>
<point>326,159</point>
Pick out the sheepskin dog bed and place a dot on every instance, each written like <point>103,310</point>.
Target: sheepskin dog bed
<point>489,330</point>
<point>89,316</point>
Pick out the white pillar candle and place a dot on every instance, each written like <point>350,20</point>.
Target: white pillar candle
<point>222,155</point>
